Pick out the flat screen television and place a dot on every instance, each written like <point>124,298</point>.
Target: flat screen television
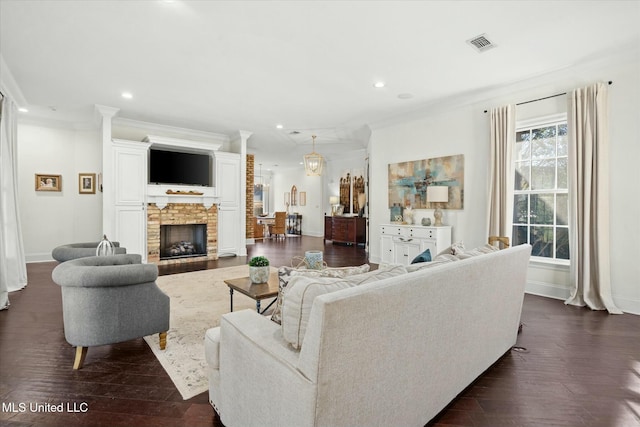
<point>173,167</point>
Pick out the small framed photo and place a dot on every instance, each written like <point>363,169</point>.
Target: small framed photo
<point>46,182</point>
<point>87,183</point>
<point>303,198</point>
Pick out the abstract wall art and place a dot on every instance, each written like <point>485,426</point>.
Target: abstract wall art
<point>408,181</point>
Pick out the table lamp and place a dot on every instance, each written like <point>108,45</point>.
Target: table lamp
<point>437,194</point>
<point>334,201</point>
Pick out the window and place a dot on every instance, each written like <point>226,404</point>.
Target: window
<point>540,206</point>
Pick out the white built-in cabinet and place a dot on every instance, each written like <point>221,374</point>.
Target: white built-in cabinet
<point>130,191</point>
<point>400,244</point>
<point>227,183</point>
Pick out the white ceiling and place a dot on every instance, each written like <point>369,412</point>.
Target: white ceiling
<point>221,66</point>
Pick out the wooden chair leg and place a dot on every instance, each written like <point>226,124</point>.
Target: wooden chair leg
<point>163,340</point>
<point>81,353</point>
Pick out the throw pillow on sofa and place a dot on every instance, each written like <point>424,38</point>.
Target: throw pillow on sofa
<point>286,273</point>
<point>423,257</point>
<point>301,292</point>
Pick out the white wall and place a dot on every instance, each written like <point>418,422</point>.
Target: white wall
<point>462,127</point>
<point>312,212</point>
<point>50,219</point>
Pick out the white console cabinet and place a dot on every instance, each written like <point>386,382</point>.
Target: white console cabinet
<point>400,244</point>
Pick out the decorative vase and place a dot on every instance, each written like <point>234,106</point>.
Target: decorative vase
<point>396,213</point>
<point>259,274</point>
<point>408,215</point>
<point>313,260</point>
<point>105,247</point>
<point>426,221</point>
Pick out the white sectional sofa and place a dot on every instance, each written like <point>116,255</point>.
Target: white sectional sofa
<point>393,351</point>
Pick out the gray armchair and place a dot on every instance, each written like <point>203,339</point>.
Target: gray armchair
<point>110,299</point>
<point>80,250</point>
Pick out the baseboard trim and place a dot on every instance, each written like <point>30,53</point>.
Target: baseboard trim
<point>38,257</point>
<point>549,290</point>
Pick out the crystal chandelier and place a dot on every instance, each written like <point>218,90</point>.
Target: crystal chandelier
<point>313,162</point>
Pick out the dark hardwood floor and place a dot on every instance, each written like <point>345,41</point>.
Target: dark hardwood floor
<point>580,368</point>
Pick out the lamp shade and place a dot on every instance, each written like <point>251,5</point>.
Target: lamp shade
<point>437,194</point>
<point>334,200</point>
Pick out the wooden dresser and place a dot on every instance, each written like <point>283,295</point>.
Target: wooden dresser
<point>345,229</point>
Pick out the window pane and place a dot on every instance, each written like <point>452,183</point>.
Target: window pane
<point>543,142</point>
<point>543,174</point>
<point>562,243</point>
<point>563,147</point>
<point>541,241</point>
<point>540,202</point>
<point>542,211</point>
<point>520,209</point>
<point>523,145</point>
<point>519,235</point>
<point>562,172</point>
<point>562,209</point>
<point>522,176</point>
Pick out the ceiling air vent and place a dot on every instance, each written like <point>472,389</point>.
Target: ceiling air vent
<point>294,132</point>
<point>481,43</point>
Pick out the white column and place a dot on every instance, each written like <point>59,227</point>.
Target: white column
<point>104,116</point>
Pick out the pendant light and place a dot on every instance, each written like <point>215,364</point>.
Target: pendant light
<point>313,162</point>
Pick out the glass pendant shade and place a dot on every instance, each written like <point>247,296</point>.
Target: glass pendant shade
<point>313,162</point>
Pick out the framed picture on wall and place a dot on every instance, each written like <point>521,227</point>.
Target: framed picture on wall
<point>303,198</point>
<point>87,183</point>
<point>45,182</point>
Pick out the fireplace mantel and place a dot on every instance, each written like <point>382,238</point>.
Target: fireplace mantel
<point>158,194</point>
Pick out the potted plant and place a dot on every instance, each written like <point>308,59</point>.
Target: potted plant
<point>259,269</point>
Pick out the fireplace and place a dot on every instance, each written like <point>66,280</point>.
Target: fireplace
<point>183,241</point>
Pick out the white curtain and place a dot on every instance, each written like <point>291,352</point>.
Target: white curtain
<point>13,268</point>
<point>503,133</point>
<point>588,131</point>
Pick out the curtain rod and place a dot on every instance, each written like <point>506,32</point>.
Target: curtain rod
<point>546,97</point>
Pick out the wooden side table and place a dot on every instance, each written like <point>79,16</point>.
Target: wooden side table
<point>256,291</point>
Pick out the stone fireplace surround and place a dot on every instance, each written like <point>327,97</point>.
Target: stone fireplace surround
<point>176,214</point>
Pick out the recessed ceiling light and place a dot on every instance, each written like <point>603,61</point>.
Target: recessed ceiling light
<point>378,85</point>
<point>279,126</point>
<point>127,95</point>
<point>23,110</point>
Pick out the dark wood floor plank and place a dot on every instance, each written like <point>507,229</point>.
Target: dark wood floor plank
<point>581,368</point>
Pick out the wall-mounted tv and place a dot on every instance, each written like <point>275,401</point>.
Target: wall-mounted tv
<point>173,167</point>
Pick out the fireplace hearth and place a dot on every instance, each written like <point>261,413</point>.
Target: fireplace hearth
<point>183,241</point>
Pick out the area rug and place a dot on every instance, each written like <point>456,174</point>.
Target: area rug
<point>198,300</point>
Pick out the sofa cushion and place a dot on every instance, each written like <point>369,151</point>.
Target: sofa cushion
<point>302,290</point>
<point>477,251</point>
<point>457,248</point>
<point>212,347</point>
<point>423,257</point>
<point>286,273</point>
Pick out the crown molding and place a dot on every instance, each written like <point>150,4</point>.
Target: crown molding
<point>154,128</point>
